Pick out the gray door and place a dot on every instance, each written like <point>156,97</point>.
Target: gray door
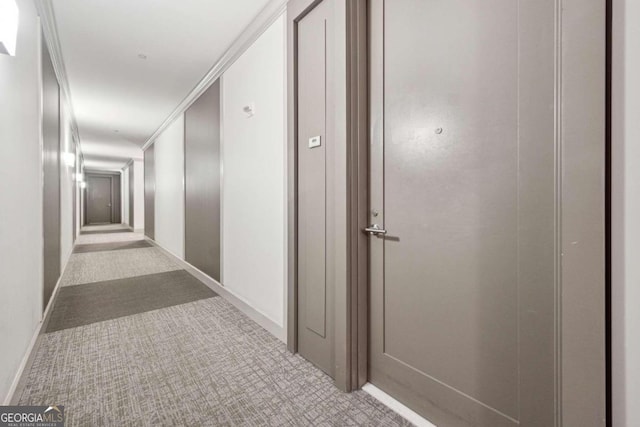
<point>202,182</point>
<point>99,199</point>
<point>51,174</point>
<point>149,192</point>
<point>315,286</point>
<point>462,179</point>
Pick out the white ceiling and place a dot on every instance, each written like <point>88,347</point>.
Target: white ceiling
<point>113,89</point>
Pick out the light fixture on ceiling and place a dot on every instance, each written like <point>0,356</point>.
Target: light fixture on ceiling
<point>116,130</point>
<point>142,56</point>
<point>9,18</point>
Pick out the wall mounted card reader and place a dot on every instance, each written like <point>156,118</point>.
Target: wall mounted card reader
<point>314,141</point>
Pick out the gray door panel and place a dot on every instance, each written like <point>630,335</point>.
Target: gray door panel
<point>99,199</point>
<point>202,182</point>
<point>463,285</point>
<point>315,322</point>
<point>51,173</point>
<point>149,192</point>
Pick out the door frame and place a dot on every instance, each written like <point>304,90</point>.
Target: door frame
<point>581,139</point>
<point>115,202</point>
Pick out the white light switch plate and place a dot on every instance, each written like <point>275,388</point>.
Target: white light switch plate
<point>314,142</point>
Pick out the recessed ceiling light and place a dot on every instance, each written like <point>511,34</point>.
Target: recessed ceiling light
<point>116,131</point>
<point>142,56</point>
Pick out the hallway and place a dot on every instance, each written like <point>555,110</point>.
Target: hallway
<point>135,340</point>
<point>319,212</point>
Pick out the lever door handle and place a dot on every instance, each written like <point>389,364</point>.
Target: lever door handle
<point>374,229</point>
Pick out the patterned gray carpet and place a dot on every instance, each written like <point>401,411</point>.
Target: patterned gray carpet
<point>201,363</point>
<point>115,246</point>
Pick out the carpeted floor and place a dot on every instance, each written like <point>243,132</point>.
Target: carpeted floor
<point>131,351</point>
<point>113,246</point>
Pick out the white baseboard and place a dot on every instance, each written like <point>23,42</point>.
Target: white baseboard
<point>26,360</point>
<point>242,305</point>
<point>399,408</point>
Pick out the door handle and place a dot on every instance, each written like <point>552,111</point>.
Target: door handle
<point>374,229</point>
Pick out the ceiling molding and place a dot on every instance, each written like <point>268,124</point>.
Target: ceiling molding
<point>250,34</point>
<point>129,163</point>
<point>50,32</point>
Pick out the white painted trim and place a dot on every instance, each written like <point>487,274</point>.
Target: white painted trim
<point>396,406</point>
<point>129,163</point>
<point>50,31</point>
<point>16,380</point>
<point>32,345</point>
<point>239,302</point>
<point>265,18</point>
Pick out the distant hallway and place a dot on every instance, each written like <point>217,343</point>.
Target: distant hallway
<point>133,339</point>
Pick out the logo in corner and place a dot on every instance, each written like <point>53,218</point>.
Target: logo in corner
<point>32,416</point>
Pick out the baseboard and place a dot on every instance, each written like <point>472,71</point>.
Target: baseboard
<point>396,406</point>
<point>230,296</point>
<point>27,360</point>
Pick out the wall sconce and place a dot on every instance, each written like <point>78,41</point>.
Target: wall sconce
<point>249,110</point>
<point>9,19</point>
<point>83,184</point>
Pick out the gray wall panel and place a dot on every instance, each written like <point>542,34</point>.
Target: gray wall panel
<point>149,192</point>
<point>202,182</point>
<point>51,170</point>
<point>315,166</point>
<point>131,191</point>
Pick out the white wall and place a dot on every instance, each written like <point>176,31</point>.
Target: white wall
<point>138,195</point>
<point>626,213</point>
<point>66,185</point>
<point>125,196</point>
<point>253,189</point>
<point>21,195</point>
<point>169,195</point>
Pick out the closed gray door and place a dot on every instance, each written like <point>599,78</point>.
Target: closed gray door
<point>202,182</point>
<point>149,192</point>
<point>463,284</point>
<point>99,200</point>
<point>315,286</point>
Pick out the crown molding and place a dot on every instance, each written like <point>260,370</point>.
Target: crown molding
<point>50,32</point>
<point>249,35</point>
<point>129,163</point>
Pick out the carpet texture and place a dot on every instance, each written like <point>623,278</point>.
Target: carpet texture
<point>95,302</point>
<point>105,231</point>
<point>113,362</point>
<point>112,246</point>
<point>99,266</point>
